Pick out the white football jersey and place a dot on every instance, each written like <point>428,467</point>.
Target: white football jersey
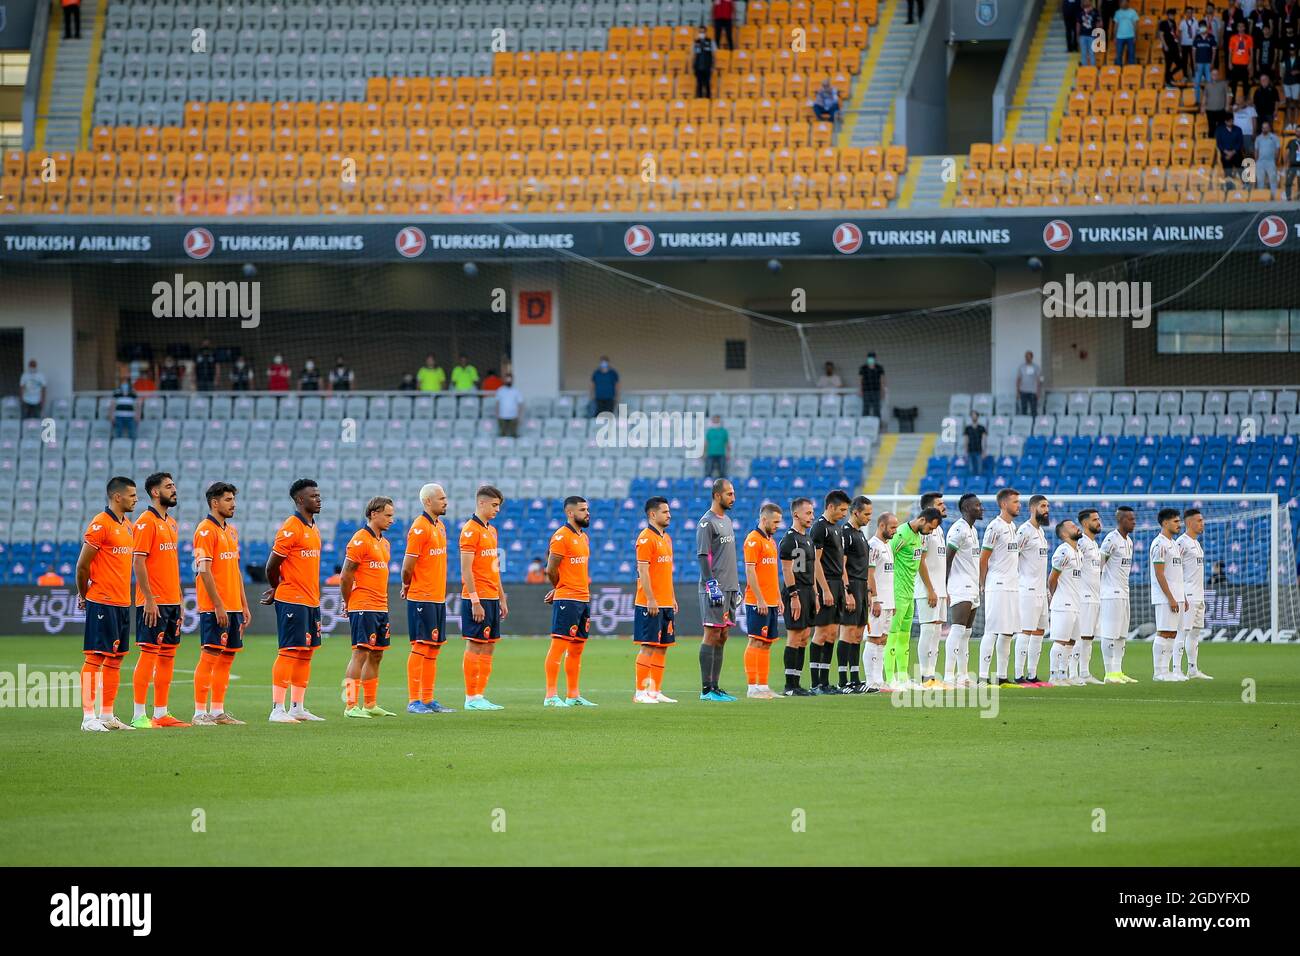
<point>964,544</point>
<point>1116,565</point>
<point>1033,557</point>
<point>1193,568</point>
<point>1090,552</point>
<point>1167,552</point>
<point>935,557</point>
<point>1004,561</point>
<point>882,559</point>
<point>1069,562</point>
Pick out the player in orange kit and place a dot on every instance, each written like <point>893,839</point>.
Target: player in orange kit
<point>293,571</point>
<point>222,603</point>
<point>364,589</point>
<point>762,600</point>
<point>104,590</point>
<point>157,602</point>
<point>424,588</point>
<point>570,593</point>
<point>483,601</point>
<point>656,604</point>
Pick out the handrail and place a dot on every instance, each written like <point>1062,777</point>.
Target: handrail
<point>1017,53</point>
<point>35,69</point>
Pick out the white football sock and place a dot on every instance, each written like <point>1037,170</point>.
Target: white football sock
<point>1193,648</point>
<point>1085,657</point>
<point>1004,655</point>
<point>1035,655</point>
<point>1120,644</point>
<point>1176,653</point>
<point>1162,649</point>
<point>139,710</point>
<point>1056,659</point>
<point>952,651</point>
<point>876,662</point>
<point>929,649</point>
<point>1072,660</point>
<point>987,642</point>
<point>1022,653</point>
<point>159,712</point>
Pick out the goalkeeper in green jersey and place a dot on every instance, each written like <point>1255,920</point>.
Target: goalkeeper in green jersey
<point>908,545</point>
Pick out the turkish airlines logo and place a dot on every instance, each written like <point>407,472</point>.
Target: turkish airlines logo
<point>1272,231</point>
<point>199,243</point>
<point>1057,235</point>
<point>847,238</point>
<point>411,242</point>
<point>639,240</point>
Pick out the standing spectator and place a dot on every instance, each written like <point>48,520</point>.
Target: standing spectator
<point>1029,386</point>
<point>830,378</point>
<point>604,387</point>
<point>50,579</point>
<point>1230,143</point>
<point>509,404</point>
<point>1070,10</point>
<point>1188,28</point>
<point>341,377</point>
<point>309,377</point>
<point>1108,10</point>
<point>464,377</point>
<point>1267,53</point>
<point>1169,48</point>
<point>1265,100</point>
<point>826,104</point>
<point>724,13</point>
<point>169,376</point>
<point>1241,53</point>
<point>1292,165</point>
<point>1125,34</point>
<point>1215,22</point>
<point>491,381</point>
<point>702,64</point>
<point>123,410</point>
<point>431,376</point>
<point>31,387</point>
<point>1203,53</point>
<point>920,10</point>
<point>1268,148</point>
<point>975,433</point>
<point>205,368</point>
<point>716,445</point>
<point>872,376</point>
<point>536,573</point>
<point>1089,20</point>
<point>72,19</point>
<point>1290,70</point>
<point>279,375</point>
<point>1215,102</point>
<point>241,376</point>
<point>1244,117</point>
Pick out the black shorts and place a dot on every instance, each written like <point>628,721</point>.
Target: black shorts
<point>804,621</point>
<point>108,628</point>
<point>426,621</point>
<point>369,629</point>
<point>830,613</point>
<point>166,631</point>
<point>486,631</point>
<point>654,630</point>
<point>297,625</point>
<point>858,616</point>
<point>229,638</point>
<point>761,627</point>
<point>570,619</point>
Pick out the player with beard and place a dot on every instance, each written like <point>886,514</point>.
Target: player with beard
<point>853,620</point>
<point>880,584</point>
<point>1090,595</point>
<point>715,547</point>
<point>908,547</point>
<point>999,582</point>
<point>569,597</point>
<point>1113,622</point>
<point>157,602</point>
<point>963,545</point>
<point>1033,549</point>
<point>831,584</point>
<point>762,600</point>
<point>932,598</point>
<point>1064,586</point>
<point>799,592</point>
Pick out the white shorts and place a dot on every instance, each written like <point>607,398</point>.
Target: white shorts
<point>1033,611</point>
<point>1113,621</point>
<point>1064,626</point>
<point>879,626</point>
<point>963,593</point>
<point>1194,616</point>
<point>1168,620</point>
<point>1001,612</point>
<point>931,615</point>
<point>1088,615</point>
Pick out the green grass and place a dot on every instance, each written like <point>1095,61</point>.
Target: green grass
<point>1187,774</point>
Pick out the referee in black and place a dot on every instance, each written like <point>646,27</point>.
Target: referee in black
<point>831,584</point>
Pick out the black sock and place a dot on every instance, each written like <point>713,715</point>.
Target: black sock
<point>793,665</point>
<point>717,665</point>
<point>828,653</point>
<point>706,667</point>
<point>843,655</point>
<point>855,663</point>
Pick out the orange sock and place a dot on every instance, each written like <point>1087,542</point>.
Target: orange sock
<point>221,680</point>
<point>554,654</point>
<point>203,680</point>
<point>301,674</point>
<point>162,675</point>
<point>484,671</point>
<point>112,676</point>
<point>281,677</point>
<point>142,676</point>
<point>763,658</point>
<point>429,672</point>
<point>352,689</point>
<point>573,666</point>
<point>751,665</point>
<point>470,663</point>
<point>642,672</point>
<point>370,691</point>
<point>656,674</point>
<point>414,672</point>
<point>91,680</point>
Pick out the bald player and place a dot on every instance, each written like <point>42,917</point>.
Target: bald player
<point>569,597</point>
<point>293,573</point>
<point>424,588</point>
<point>762,601</point>
<point>715,548</point>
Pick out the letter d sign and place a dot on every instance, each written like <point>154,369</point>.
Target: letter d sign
<point>534,308</point>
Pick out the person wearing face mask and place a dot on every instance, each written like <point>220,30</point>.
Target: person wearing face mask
<point>241,375</point>
<point>604,387</point>
<point>278,375</point>
<point>872,375</point>
<point>509,406</point>
<point>341,376</point>
<point>309,377</point>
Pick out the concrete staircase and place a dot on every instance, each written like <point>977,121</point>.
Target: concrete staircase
<point>1047,71</point>
<point>887,57</point>
<point>894,469</point>
<point>925,187</point>
<point>64,100</point>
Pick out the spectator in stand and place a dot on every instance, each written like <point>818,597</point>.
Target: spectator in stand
<point>1268,51</point>
<point>241,376</point>
<point>724,14</point>
<point>1089,20</point>
<point>975,433</point>
<point>72,19</point>
<point>279,375</point>
<point>872,377</point>
<point>920,11</point>
<point>31,388</point>
<point>826,104</point>
<point>143,381</point>
<point>1168,30</point>
<point>717,443</point>
<point>341,377</point>
<point>702,64</point>
<point>1108,9</point>
<point>830,378</point>
<point>509,405</point>
<point>536,573</point>
<point>1244,117</point>
<point>169,376</point>
<point>431,376</point>
<point>50,579</point>
<point>1268,150</point>
<point>124,410</point>
<point>336,578</point>
<point>1218,577</point>
<point>205,368</point>
<point>309,377</point>
<point>1265,101</point>
<point>1188,28</point>
<point>1290,70</point>
<point>1215,102</point>
<point>1070,11</point>
<point>1292,165</point>
<point>407,384</point>
<point>1029,386</point>
<point>1125,34</point>
<point>1241,54</point>
<point>464,377</point>
<point>491,381</point>
<point>1203,52</point>
<point>604,387</point>
<point>1230,144</point>
<point>1215,22</point>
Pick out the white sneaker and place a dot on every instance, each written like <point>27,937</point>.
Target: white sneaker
<point>280,717</point>
<point>112,723</point>
<point>964,680</point>
<point>1077,682</point>
<point>203,720</point>
<point>760,693</point>
<point>1089,679</point>
<point>645,697</point>
<point>303,714</point>
<point>662,698</point>
<point>1178,676</point>
<point>93,723</point>
<point>1198,675</point>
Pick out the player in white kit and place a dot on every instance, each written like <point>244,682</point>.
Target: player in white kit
<point>963,544</point>
<point>931,589</point>
<point>1032,539</point>
<point>999,582</point>
<point>1065,585</point>
<point>1194,592</point>
<point>1166,559</point>
<point>880,584</point>
<point>1116,566</point>
<point>1090,596</point>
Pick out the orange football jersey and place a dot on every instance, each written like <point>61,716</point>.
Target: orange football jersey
<point>156,538</point>
<point>218,545</point>
<point>574,550</point>
<point>760,551</point>
<point>481,539</point>
<point>656,549</point>
<point>110,568</point>
<point>427,543</point>
<point>370,552</point>
<point>299,544</point>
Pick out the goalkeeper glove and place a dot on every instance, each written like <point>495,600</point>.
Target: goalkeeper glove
<point>714,592</point>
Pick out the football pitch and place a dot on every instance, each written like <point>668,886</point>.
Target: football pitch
<point>1143,774</point>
